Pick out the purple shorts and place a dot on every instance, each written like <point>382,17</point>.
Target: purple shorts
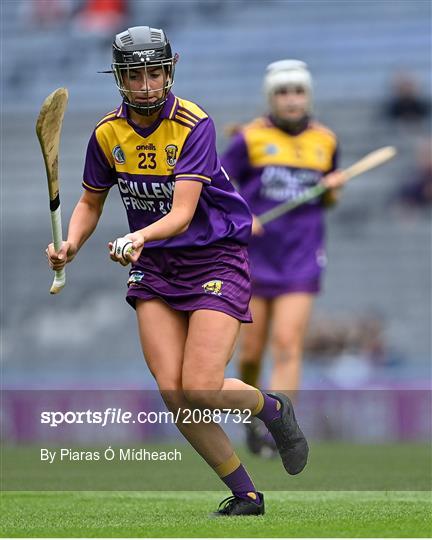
<point>212,277</point>
<point>270,291</point>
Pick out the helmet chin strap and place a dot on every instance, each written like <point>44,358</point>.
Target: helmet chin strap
<point>293,127</point>
<point>144,111</point>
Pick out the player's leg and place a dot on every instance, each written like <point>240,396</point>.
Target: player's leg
<point>291,314</point>
<point>253,340</point>
<point>164,355</point>
<point>163,334</point>
<point>164,352</point>
<point>209,345</point>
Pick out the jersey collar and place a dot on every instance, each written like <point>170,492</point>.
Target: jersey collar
<point>294,129</point>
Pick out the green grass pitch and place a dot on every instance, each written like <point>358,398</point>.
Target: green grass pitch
<point>389,496</point>
<point>186,514</point>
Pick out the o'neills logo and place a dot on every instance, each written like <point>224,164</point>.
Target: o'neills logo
<point>171,154</point>
<point>149,146</point>
<point>118,155</point>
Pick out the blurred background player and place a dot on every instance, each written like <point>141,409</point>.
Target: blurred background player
<point>406,105</point>
<point>189,281</point>
<point>414,194</point>
<point>274,159</point>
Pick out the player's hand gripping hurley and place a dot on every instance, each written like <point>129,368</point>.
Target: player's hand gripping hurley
<point>48,129</point>
<point>371,160</point>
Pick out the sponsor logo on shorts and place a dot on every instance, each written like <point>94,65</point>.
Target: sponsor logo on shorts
<point>171,154</point>
<point>118,154</point>
<point>213,287</point>
<point>136,276</point>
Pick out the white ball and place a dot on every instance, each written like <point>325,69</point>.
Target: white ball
<point>121,247</point>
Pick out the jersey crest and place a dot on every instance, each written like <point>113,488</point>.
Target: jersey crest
<point>118,155</point>
<point>171,154</point>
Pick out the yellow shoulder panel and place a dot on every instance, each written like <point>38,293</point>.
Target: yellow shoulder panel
<point>192,108</point>
<point>106,137</point>
<point>269,146</point>
<point>322,128</point>
<point>257,123</point>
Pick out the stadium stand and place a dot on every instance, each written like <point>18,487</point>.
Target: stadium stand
<point>376,260</point>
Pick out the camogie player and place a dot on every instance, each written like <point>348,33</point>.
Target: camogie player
<point>274,159</point>
<point>190,274</point>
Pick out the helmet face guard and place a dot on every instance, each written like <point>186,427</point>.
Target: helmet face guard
<point>147,49</point>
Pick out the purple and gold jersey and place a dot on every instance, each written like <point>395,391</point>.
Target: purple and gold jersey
<point>145,164</point>
<point>271,166</point>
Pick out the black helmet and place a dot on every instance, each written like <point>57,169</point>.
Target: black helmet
<point>143,47</point>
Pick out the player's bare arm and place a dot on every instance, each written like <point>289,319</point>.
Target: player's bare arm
<point>82,224</point>
<point>177,221</point>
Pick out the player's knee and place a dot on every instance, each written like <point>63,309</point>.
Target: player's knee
<point>197,398</point>
<point>252,350</point>
<point>163,378</point>
<point>166,383</point>
<point>201,393</point>
<point>287,344</point>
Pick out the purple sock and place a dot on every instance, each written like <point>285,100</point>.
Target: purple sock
<point>271,409</point>
<point>240,483</point>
